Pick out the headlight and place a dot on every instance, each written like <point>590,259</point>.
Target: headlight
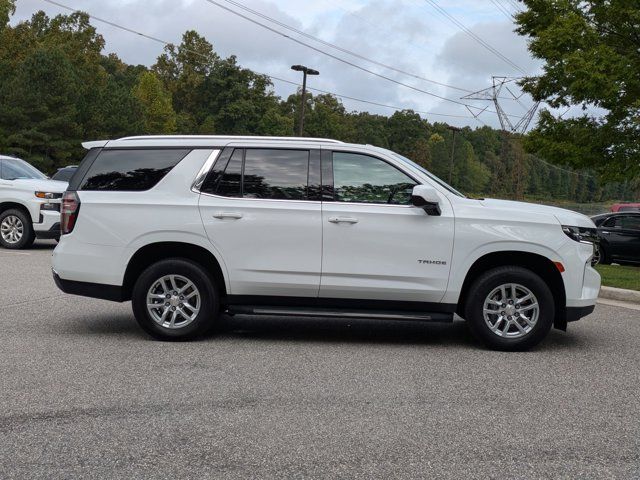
<point>48,195</point>
<point>581,234</point>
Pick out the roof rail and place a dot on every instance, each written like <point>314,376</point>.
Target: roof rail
<point>231,137</point>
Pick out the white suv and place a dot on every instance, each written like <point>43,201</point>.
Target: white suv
<point>188,227</point>
<point>29,204</point>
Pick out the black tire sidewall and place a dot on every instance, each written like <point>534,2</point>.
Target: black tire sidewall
<point>210,300</point>
<point>28,235</point>
<point>484,284</point>
<point>604,258</point>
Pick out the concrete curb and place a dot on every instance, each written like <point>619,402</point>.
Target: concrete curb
<point>620,294</point>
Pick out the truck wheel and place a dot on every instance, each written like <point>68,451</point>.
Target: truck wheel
<point>600,256</point>
<point>175,299</point>
<point>509,308</point>
<point>16,230</point>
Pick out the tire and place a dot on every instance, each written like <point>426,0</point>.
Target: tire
<point>191,318</point>
<point>16,229</point>
<point>604,256</point>
<point>520,334</point>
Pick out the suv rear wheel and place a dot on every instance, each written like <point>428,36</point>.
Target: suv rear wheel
<point>510,308</point>
<point>175,299</point>
<point>16,230</point>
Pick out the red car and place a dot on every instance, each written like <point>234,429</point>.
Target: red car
<point>625,207</point>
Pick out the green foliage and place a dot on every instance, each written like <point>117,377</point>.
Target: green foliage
<point>591,55</point>
<point>7,8</point>
<point>157,112</point>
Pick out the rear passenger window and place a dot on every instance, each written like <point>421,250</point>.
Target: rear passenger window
<point>131,170</point>
<point>630,222</point>
<point>261,173</point>
<point>276,174</point>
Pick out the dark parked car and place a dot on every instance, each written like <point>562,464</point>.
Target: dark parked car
<point>619,235</point>
<point>64,174</point>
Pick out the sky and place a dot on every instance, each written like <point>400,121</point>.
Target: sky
<point>409,35</point>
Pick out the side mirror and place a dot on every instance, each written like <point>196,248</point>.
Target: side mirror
<point>427,198</point>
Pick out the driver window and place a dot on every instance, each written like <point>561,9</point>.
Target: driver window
<point>613,222</point>
<point>364,179</point>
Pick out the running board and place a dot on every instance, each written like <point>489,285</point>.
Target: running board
<point>357,314</point>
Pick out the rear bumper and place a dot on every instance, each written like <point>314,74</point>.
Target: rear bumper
<point>576,313</point>
<point>86,289</point>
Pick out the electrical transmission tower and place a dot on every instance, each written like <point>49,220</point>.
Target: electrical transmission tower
<point>510,153</point>
<point>500,85</point>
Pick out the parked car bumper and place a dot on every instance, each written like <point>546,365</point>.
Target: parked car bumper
<point>49,225</point>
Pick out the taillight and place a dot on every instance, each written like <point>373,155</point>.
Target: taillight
<point>69,212</point>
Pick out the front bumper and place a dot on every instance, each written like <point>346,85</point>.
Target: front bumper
<point>48,221</point>
<point>53,232</point>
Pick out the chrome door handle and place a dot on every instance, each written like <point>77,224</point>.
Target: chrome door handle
<point>221,215</point>
<point>605,233</point>
<point>343,220</point>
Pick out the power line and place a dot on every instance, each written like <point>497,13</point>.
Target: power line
<point>167,43</point>
<point>478,39</point>
<point>502,10</point>
<point>150,37</point>
<point>514,4</point>
<point>339,48</point>
<point>347,62</point>
<point>359,67</point>
<point>370,102</point>
<point>573,172</point>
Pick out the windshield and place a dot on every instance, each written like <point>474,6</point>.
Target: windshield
<point>64,174</point>
<point>15,169</point>
<point>426,172</point>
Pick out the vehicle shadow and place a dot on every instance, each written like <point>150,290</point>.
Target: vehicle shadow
<point>337,330</point>
<point>42,245</point>
<point>321,330</point>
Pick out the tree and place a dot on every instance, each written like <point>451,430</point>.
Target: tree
<point>158,114</point>
<point>591,50</point>
<point>7,8</point>
<point>183,71</point>
<point>40,113</point>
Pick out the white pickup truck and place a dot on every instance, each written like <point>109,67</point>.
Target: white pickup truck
<point>29,204</point>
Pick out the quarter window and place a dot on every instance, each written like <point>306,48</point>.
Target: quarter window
<point>231,181</point>
<point>364,179</point>
<point>131,169</point>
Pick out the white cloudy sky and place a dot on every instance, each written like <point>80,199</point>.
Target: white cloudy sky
<point>408,34</point>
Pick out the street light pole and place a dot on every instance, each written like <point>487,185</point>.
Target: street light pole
<point>305,71</point>
<point>453,148</point>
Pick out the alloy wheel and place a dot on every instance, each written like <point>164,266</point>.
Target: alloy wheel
<point>597,255</point>
<point>511,310</point>
<point>11,229</point>
<point>173,301</point>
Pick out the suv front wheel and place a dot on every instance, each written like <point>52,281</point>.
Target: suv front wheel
<point>509,308</point>
<point>175,299</point>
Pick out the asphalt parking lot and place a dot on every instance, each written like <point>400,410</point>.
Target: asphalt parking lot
<point>84,393</point>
